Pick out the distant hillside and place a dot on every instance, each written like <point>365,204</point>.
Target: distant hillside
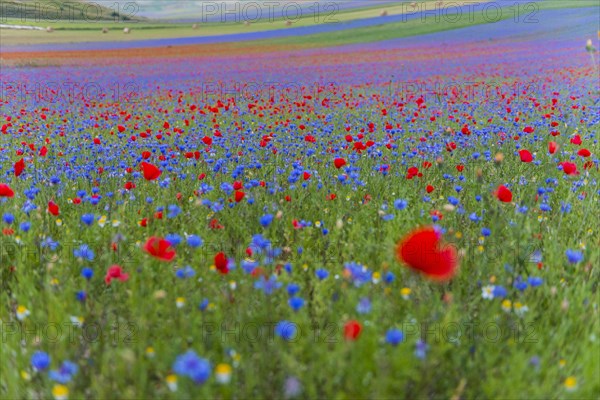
<point>39,11</point>
<point>204,10</point>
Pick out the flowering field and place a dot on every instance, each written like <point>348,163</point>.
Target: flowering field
<point>409,218</point>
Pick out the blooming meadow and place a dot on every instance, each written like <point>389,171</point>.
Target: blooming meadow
<point>412,218</point>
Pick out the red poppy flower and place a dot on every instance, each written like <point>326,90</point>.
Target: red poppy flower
<point>53,208</point>
<point>526,156</point>
<point>528,129</point>
<point>423,250</point>
<point>352,330</point>
<point>412,172</point>
<point>160,248</point>
<point>239,196</point>
<point>584,153</point>
<point>503,194</point>
<point>569,168</point>
<point>576,140</point>
<point>214,224</point>
<point>6,191</point>
<point>552,147</point>
<point>19,167</point>
<point>429,188</point>
<point>339,162</point>
<point>151,172</point>
<point>115,272</point>
<point>221,263</point>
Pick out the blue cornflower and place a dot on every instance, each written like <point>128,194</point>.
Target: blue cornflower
<point>49,242</point>
<point>486,231</point>
<point>266,220</point>
<point>499,291</point>
<point>8,218</point>
<point>536,257</point>
<point>81,296</point>
<point>292,289</point>
<point>194,241</point>
<point>394,336</point>
<point>173,238</point>
<point>565,208</point>
<point>84,252</point>
<point>359,274</point>
<point>248,266</point>
<point>173,211</point>
<point>519,284</point>
<point>185,272</point>
<point>227,187</point>
<point>363,306</point>
<point>87,273</point>
<point>203,304</point>
<point>40,360</point>
<point>259,243</point>
<point>400,204</point>
<point>321,273</point>
<point>25,226</point>
<point>296,303</point>
<point>421,349</point>
<point>268,286</point>
<point>535,281</point>
<point>87,219</point>
<point>522,209</point>
<point>191,365</point>
<point>65,373</point>
<point>453,200</point>
<point>389,277</point>
<point>286,330</point>
<point>574,256</point>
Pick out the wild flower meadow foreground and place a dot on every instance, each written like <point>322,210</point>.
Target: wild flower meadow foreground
<point>409,218</point>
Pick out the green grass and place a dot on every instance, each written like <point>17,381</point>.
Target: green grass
<point>134,315</point>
